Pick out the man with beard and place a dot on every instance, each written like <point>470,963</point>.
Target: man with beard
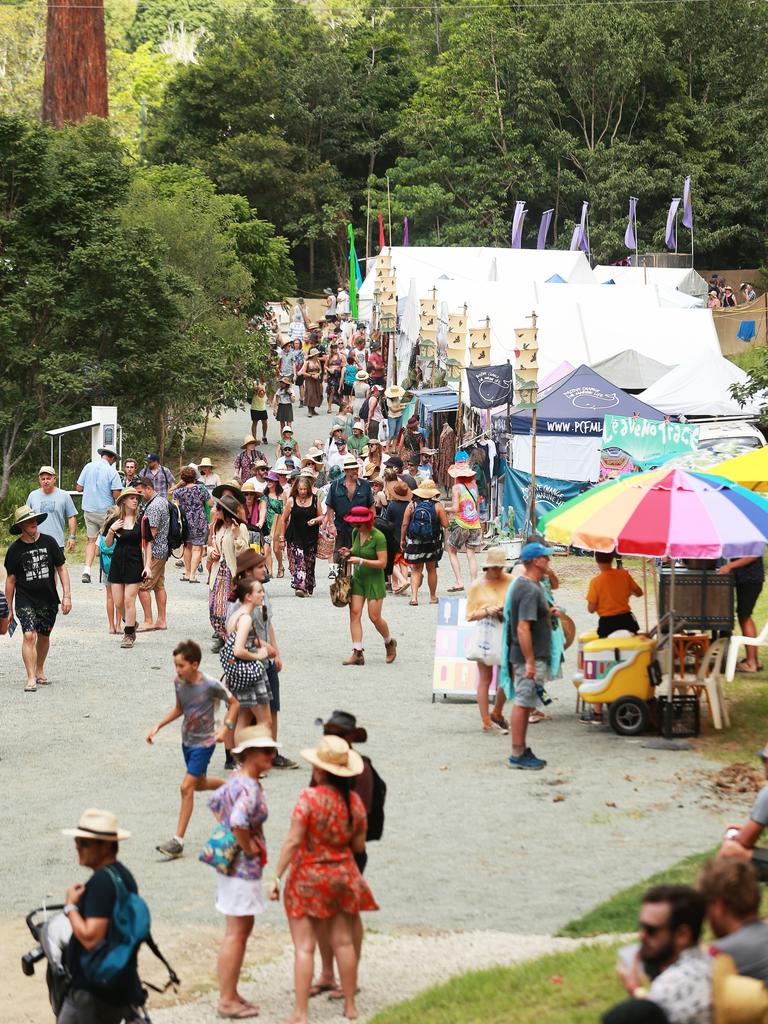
<point>669,927</point>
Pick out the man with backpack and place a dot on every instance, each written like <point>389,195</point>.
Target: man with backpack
<point>105,986</point>
<point>161,477</point>
<point>156,532</point>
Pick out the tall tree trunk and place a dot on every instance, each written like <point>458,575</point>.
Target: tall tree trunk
<point>75,82</point>
<point>201,449</point>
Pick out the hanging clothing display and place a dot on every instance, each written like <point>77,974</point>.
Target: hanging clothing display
<point>446,451</point>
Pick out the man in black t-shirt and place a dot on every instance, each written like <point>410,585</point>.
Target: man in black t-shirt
<point>32,563</point>
<point>89,908</point>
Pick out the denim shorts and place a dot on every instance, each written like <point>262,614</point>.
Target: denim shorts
<point>197,759</point>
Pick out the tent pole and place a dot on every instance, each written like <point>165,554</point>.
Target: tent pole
<point>368,232</point>
<point>533,470</point>
<point>667,723</point>
<point>460,413</point>
<point>389,212</point>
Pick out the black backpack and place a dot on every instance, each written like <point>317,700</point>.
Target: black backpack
<point>178,527</point>
<point>376,813</point>
<point>363,414</point>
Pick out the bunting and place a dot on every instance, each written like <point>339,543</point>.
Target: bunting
<point>517,224</point>
<point>670,235</point>
<point>546,220</point>
<point>630,235</point>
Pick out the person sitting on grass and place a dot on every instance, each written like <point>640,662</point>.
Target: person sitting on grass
<point>680,973</point>
<point>196,696</point>
<point>733,895</point>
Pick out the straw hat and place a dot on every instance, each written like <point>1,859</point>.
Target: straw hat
<point>228,487</point>
<point>127,492</point>
<point>342,723</point>
<point>261,464</point>
<point>401,491</point>
<point>248,439</point>
<point>374,440</point>
<point>313,352</point>
<point>395,393</point>
<point>370,469</point>
<point>360,514</point>
<point>286,380</point>
<point>308,473</point>
<point>358,425</point>
<point>460,469</point>
<point>315,454</point>
<point>24,515</point>
<point>95,824</point>
<point>287,429</point>
<point>249,487</point>
<point>569,628</point>
<point>46,469</point>
<point>496,558</point>
<point>334,755</point>
<point>736,998</point>
<point>256,737</point>
<point>427,489</point>
<point>361,377</point>
<point>428,451</point>
<point>205,464</point>
<point>281,466</point>
<point>350,462</point>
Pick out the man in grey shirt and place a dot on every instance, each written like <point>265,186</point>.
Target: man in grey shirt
<point>732,892</point>
<point>59,506</point>
<point>530,639</point>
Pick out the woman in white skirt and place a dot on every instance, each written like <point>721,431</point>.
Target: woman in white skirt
<point>240,804</point>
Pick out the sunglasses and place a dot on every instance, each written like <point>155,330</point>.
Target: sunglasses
<point>84,844</point>
<point>650,929</point>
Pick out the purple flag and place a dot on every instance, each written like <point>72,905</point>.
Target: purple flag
<point>517,224</point>
<point>630,238</point>
<point>546,220</point>
<point>670,236</point>
<point>580,239</point>
<point>687,205</point>
<point>405,231</point>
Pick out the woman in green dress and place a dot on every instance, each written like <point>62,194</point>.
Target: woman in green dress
<point>368,556</point>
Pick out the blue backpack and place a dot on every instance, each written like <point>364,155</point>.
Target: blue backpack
<point>128,928</point>
<point>423,520</point>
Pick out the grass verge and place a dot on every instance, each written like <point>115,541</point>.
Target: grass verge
<point>619,913</point>
<point>561,988</point>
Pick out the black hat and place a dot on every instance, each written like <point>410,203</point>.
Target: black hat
<point>341,723</point>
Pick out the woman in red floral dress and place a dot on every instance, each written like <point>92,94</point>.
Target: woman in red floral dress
<point>325,889</point>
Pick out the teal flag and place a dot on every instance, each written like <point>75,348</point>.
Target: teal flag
<point>355,277</point>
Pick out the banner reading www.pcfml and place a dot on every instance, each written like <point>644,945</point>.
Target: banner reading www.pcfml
<point>631,443</point>
<point>550,493</point>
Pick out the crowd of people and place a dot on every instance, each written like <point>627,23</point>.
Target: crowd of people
<point>721,295</point>
<point>366,500</point>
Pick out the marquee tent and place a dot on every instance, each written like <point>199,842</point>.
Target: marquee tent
<point>682,279</point>
<point>701,387</point>
<point>631,370</point>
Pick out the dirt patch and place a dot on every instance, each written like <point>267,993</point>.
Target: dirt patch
<point>738,778</point>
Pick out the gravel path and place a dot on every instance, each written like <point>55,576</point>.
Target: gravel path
<point>468,844</point>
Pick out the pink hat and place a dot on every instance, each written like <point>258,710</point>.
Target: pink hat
<point>359,514</point>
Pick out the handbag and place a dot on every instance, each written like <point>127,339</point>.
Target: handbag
<point>485,645</point>
<point>220,850</point>
<point>326,540</point>
<point>341,588</point>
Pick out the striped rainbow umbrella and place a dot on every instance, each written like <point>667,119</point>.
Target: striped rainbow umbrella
<point>664,513</point>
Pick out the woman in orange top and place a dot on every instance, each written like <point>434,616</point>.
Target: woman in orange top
<point>608,595</point>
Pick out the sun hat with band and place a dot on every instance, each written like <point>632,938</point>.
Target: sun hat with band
<point>360,514</point>
<point>231,505</point>
<point>401,491</point>
<point>395,393</point>
<point>106,450</point>
<point>428,489</point>
<point>315,455</point>
<point>361,377</point>
<point>25,514</point>
<point>205,464</point>
<point>350,462</point>
<point>370,469</point>
<point>496,559</point>
<point>127,492</point>
<point>256,737</point>
<point>313,352</point>
<point>335,756</point>
<point>229,487</point>
<point>99,825</point>
<point>248,439</point>
<point>461,469</point>
<point>342,723</point>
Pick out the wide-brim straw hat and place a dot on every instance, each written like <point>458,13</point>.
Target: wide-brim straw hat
<point>362,376</point>
<point>248,439</point>
<point>370,469</point>
<point>286,380</point>
<point>205,464</point>
<point>229,487</point>
<point>313,352</point>
<point>23,515</point>
<point>350,462</point>
<point>569,628</point>
<point>334,755</point>
<point>395,392</point>
<point>100,825</point>
<point>400,491</point>
<point>256,737</point>
<point>315,454</point>
<point>496,558</point>
<point>360,514</point>
<point>127,492</point>
<point>461,469</point>
<point>249,487</point>
<point>261,464</point>
<point>308,473</point>
<point>427,489</point>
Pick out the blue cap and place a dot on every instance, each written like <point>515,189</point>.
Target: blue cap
<point>535,550</point>
<point>462,457</point>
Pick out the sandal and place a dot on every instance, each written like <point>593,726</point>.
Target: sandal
<point>41,681</point>
<point>319,987</point>
<point>455,590</point>
<point>743,666</point>
<point>30,688</point>
<point>280,574</point>
<point>414,604</point>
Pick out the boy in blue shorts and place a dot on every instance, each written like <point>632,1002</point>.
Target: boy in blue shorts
<point>196,696</point>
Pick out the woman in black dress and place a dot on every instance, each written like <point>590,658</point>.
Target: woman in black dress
<point>301,524</point>
<point>127,569</point>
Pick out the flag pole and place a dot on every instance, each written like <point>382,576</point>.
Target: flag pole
<point>589,251</point>
<point>691,245</point>
<point>677,228</point>
<point>389,212</point>
<point>637,253</point>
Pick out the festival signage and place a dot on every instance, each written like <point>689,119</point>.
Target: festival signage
<point>490,386</point>
<point>632,444</point>
<point>550,494</point>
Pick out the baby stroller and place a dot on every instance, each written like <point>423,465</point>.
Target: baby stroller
<point>52,931</point>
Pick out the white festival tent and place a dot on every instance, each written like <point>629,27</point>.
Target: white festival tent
<point>667,279</point>
<point>701,387</point>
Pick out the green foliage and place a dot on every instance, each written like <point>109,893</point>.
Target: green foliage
<point>22,44</point>
<point>153,18</point>
<point>562,988</point>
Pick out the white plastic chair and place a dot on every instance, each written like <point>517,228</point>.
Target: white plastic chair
<point>708,679</point>
<point>737,642</point>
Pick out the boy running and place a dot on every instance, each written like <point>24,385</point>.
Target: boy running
<point>196,695</point>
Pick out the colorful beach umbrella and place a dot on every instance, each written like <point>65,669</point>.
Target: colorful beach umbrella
<point>664,513</point>
<point>749,470</point>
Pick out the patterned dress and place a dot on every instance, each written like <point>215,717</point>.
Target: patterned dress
<point>192,500</point>
<point>324,879</point>
<point>240,803</point>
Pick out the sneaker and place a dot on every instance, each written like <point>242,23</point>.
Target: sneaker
<point>172,849</point>
<point>230,764</point>
<point>527,761</point>
<point>281,761</point>
<point>499,725</point>
<point>86,577</point>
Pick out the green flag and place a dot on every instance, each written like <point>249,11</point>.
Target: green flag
<point>355,277</point>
